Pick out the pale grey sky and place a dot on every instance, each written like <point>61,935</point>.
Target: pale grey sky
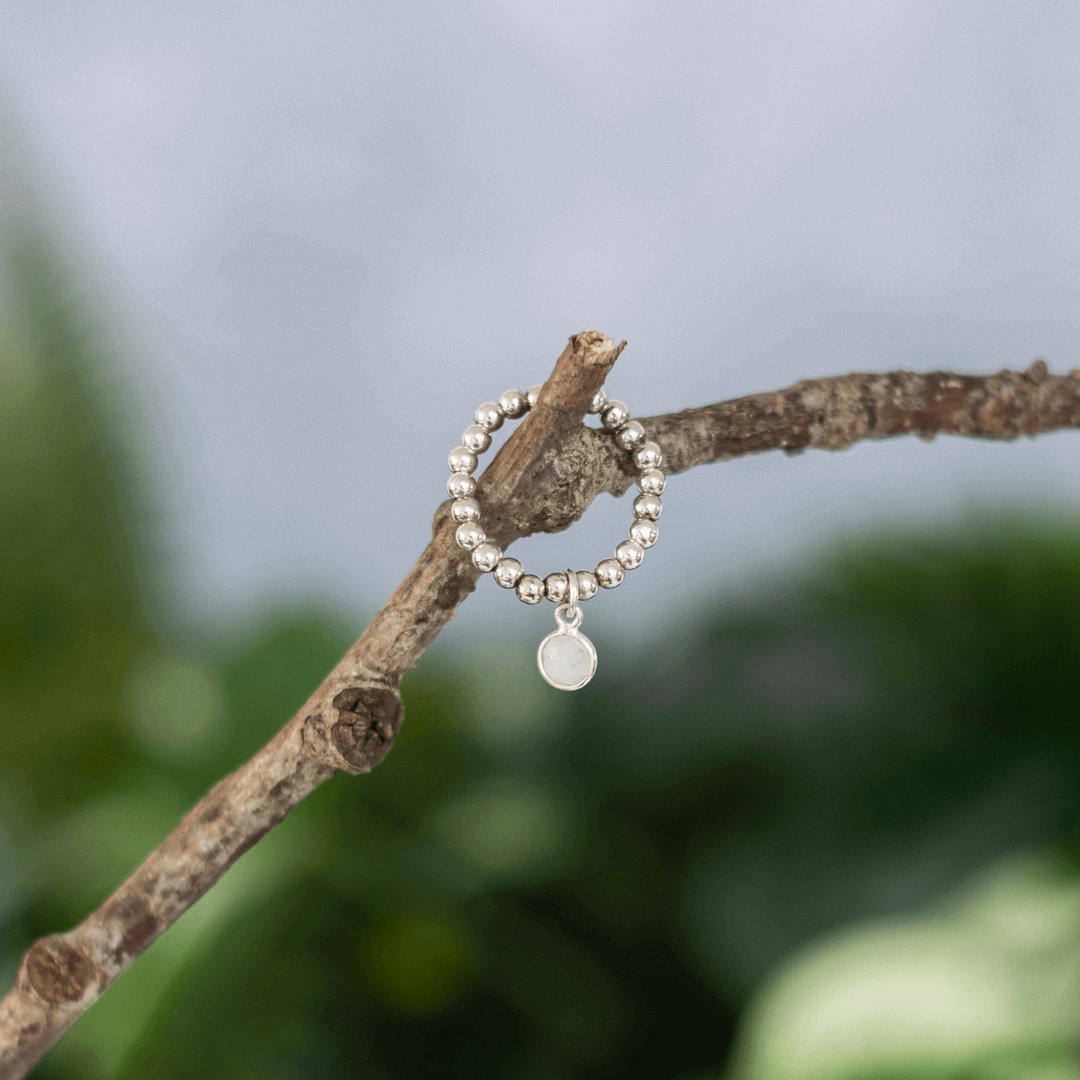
<point>328,230</point>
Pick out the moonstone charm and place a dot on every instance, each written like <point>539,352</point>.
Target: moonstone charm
<point>567,658</point>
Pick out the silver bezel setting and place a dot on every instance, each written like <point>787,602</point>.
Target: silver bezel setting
<point>566,632</point>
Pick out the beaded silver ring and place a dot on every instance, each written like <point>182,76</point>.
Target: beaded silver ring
<point>566,657</point>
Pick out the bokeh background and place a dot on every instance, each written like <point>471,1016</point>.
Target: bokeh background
<point>816,819</point>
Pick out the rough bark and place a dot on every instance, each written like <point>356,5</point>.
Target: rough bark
<point>542,480</point>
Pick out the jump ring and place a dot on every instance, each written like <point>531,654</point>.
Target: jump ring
<point>571,619</point>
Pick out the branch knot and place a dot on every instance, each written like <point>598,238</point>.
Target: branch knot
<point>58,972</point>
<point>368,719</point>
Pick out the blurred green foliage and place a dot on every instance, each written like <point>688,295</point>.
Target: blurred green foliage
<point>829,835</point>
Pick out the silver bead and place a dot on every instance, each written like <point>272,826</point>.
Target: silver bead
<point>629,553</point>
<point>462,459</point>
<point>463,510</point>
<point>587,585</point>
<point>460,485</point>
<point>598,402</point>
<point>489,416</point>
<point>507,572</point>
<point>648,456</point>
<point>556,587</point>
<point>631,434</point>
<point>609,573</point>
<point>615,415</point>
<point>486,556</point>
<point>652,482</point>
<point>513,403</point>
<point>476,438</point>
<point>648,506</point>
<point>644,532</point>
<point>469,535</point>
<point>530,589</point>
<point>533,396</point>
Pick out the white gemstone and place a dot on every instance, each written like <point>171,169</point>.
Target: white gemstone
<point>567,659</point>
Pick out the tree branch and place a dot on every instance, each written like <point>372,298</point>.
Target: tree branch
<point>542,480</point>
